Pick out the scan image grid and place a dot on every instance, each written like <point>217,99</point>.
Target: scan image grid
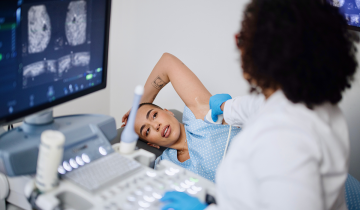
<point>59,66</point>
<point>39,37</point>
<point>39,26</point>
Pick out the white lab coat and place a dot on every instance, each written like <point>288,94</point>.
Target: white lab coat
<point>286,157</point>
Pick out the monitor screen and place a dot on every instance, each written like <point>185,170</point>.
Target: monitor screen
<point>51,51</point>
<point>351,11</point>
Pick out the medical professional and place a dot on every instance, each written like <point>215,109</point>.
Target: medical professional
<point>293,150</point>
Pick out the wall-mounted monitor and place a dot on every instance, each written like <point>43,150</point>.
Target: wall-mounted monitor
<point>351,11</point>
<point>51,51</point>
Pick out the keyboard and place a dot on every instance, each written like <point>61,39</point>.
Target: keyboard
<point>102,171</point>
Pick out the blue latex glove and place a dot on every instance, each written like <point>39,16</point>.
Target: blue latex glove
<point>215,103</point>
<point>181,201</point>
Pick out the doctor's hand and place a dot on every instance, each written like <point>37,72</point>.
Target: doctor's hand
<point>125,118</point>
<point>181,201</point>
<point>215,104</point>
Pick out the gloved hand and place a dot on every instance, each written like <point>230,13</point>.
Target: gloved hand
<point>215,103</point>
<point>181,201</point>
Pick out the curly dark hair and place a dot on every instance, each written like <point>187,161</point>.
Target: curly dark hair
<point>300,46</point>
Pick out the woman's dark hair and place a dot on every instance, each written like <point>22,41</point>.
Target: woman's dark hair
<point>300,46</point>
<point>151,104</point>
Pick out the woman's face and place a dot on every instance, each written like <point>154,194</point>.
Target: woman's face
<point>157,126</point>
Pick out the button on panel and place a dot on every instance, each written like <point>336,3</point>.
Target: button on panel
<point>73,163</point>
<point>102,151</point>
<point>67,166</point>
<point>79,161</point>
<point>85,158</point>
<point>61,170</point>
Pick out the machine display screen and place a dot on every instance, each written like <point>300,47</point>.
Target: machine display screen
<point>49,49</point>
<point>350,9</point>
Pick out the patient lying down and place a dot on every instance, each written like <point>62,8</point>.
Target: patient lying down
<point>192,144</point>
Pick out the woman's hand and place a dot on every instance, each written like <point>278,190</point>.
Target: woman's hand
<point>181,201</point>
<point>125,118</point>
<point>217,103</point>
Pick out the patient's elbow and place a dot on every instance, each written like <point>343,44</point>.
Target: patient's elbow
<point>167,55</point>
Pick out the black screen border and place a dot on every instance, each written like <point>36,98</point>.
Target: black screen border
<point>22,114</point>
<point>353,28</point>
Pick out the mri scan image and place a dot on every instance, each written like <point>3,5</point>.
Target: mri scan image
<point>75,24</point>
<point>337,3</point>
<point>354,19</point>
<point>64,63</point>
<point>81,59</point>
<point>34,69</point>
<point>357,2</point>
<point>39,29</point>
<point>52,66</point>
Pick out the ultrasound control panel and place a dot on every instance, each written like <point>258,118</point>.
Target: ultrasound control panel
<point>132,186</point>
<point>81,153</point>
<point>87,139</point>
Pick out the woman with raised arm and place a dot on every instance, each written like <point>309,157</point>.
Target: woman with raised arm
<point>193,144</point>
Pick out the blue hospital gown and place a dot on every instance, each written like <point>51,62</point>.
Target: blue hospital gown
<point>206,143</point>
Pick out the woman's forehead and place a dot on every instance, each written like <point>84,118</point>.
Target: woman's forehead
<point>144,113</point>
<point>146,109</point>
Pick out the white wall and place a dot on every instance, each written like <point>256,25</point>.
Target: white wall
<point>201,34</point>
<point>350,106</point>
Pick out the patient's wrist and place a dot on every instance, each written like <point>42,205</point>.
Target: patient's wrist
<point>222,106</point>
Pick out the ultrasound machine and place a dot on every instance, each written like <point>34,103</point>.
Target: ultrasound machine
<point>51,52</point>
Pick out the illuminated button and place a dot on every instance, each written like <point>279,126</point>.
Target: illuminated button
<point>178,188</point>
<point>149,198</point>
<point>189,182</point>
<point>73,163</point>
<point>102,151</point>
<point>131,198</point>
<point>194,179</point>
<point>157,195</point>
<point>174,170</point>
<point>67,166</point>
<point>151,173</point>
<point>79,161</point>
<point>85,158</point>
<point>61,170</point>
<point>193,192</point>
<point>144,204</point>
<point>170,173</point>
<point>195,188</point>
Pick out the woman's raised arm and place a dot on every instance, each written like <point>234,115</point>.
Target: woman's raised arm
<point>185,82</point>
<point>190,89</point>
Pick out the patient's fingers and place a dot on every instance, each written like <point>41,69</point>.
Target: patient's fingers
<point>124,123</point>
<point>126,115</point>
